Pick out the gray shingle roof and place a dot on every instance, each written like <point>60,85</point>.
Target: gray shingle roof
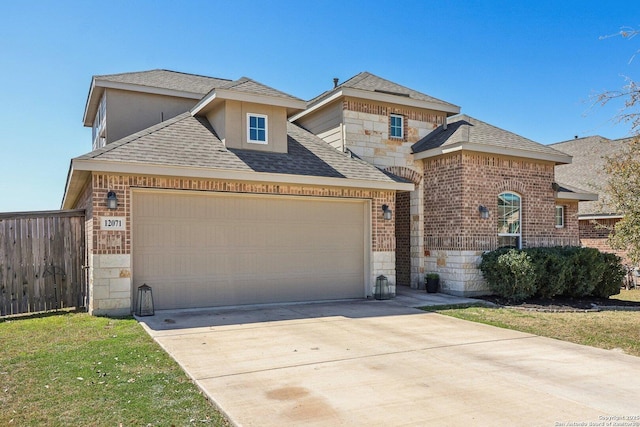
<point>167,79</point>
<point>464,129</point>
<point>372,83</point>
<point>587,168</point>
<point>245,84</point>
<point>190,141</point>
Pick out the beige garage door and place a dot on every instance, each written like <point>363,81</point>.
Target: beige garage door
<point>198,250</point>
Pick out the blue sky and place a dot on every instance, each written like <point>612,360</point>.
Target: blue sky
<point>528,67</point>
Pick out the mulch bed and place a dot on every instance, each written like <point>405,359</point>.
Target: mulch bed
<point>564,304</point>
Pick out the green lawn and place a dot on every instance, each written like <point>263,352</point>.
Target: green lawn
<point>75,369</point>
<point>604,329</point>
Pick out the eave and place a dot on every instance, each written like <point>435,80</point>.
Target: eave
<point>492,149</point>
<point>581,197</point>
<point>585,217</point>
<point>387,98</point>
<point>81,169</point>
<point>219,95</point>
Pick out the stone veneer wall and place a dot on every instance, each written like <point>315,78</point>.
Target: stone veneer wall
<point>366,127</point>
<point>110,251</point>
<point>455,235</point>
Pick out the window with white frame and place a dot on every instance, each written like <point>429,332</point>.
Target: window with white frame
<point>509,220</point>
<point>396,129</point>
<point>257,129</point>
<point>98,128</point>
<point>559,216</point>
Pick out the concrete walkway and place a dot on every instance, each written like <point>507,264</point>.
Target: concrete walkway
<point>383,363</point>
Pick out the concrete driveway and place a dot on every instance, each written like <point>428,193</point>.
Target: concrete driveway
<point>373,363</point>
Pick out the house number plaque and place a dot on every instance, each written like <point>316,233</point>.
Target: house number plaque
<point>116,223</point>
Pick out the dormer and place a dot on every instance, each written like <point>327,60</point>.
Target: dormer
<point>248,115</point>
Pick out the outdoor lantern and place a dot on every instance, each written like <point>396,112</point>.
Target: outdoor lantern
<point>484,212</point>
<point>387,212</point>
<point>112,200</point>
<point>144,306</point>
<point>382,288</point>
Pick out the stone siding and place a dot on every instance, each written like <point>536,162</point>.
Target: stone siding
<point>366,127</point>
<point>458,270</point>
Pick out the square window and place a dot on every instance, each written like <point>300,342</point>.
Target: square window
<point>257,128</point>
<point>559,216</point>
<point>397,126</point>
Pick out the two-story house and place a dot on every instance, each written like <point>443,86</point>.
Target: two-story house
<point>477,187</point>
<point>224,192</point>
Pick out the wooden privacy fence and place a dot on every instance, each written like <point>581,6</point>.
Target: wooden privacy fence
<point>41,261</point>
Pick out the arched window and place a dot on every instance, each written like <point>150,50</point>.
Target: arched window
<point>509,220</point>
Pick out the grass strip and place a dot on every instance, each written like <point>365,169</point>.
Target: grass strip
<point>76,369</point>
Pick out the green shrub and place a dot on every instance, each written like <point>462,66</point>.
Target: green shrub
<point>509,274</point>
<point>550,272</point>
<point>585,273</point>
<point>612,277</point>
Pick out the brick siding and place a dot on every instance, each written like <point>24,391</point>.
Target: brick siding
<point>384,109</point>
<point>119,242</point>
<point>457,184</point>
<point>595,234</point>
<point>403,238</point>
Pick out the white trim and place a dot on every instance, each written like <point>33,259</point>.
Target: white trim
<point>519,233</point>
<point>490,149</point>
<point>266,129</point>
<point>597,217</point>
<point>555,216</point>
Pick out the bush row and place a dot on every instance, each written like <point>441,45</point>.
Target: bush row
<point>550,272</point>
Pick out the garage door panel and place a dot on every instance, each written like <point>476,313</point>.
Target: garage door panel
<point>207,250</point>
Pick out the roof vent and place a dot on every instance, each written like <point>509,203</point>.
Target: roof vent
<point>444,124</point>
<point>335,82</point>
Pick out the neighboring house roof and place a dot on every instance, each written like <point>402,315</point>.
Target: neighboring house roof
<point>187,146</point>
<point>245,89</point>
<point>467,133</point>
<point>162,82</point>
<point>369,86</point>
<point>587,169</point>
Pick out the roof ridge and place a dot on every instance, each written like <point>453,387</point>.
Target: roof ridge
<point>160,69</point>
<point>583,138</point>
<point>361,75</point>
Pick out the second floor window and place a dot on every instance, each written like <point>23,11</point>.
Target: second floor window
<point>257,128</point>
<point>397,126</point>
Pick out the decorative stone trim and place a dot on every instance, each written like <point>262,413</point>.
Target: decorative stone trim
<point>381,109</point>
<point>406,173</point>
